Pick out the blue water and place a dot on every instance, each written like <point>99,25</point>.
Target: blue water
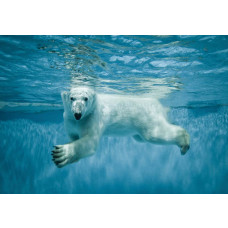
<point>188,74</point>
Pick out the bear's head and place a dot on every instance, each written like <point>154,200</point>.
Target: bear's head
<point>81,101</point>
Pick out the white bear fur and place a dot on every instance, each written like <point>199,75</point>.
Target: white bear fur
<point>143,118</point>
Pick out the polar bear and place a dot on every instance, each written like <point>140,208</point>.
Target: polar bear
<point>88,116</point>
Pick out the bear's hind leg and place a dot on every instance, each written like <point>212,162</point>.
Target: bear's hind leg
<point>168,134</point>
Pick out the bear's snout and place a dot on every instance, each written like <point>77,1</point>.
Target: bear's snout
<point>77,116</point>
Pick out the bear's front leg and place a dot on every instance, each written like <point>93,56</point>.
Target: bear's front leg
<point>72,152</point>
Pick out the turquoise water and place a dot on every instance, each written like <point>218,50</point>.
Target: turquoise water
<point>189,74</point>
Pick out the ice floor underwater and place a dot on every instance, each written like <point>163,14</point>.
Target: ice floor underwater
<point>121,165</point>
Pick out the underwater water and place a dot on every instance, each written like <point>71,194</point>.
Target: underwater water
<point>188,74</point>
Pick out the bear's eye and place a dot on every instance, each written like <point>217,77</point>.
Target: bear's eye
<point>72,98</point>
<point>86,98</point>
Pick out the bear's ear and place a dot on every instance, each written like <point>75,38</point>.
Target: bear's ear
<point>65,95</point>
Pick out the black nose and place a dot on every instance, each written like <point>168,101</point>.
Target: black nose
<point>77,116</point>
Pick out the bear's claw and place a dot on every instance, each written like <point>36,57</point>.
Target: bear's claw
<point>59,156</point>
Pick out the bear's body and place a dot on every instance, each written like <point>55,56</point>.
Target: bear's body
<point>88,116</point>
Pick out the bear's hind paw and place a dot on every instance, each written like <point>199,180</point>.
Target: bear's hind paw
<point>184,149</point>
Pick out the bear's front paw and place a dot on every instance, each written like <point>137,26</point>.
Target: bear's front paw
<point>63,155</point>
